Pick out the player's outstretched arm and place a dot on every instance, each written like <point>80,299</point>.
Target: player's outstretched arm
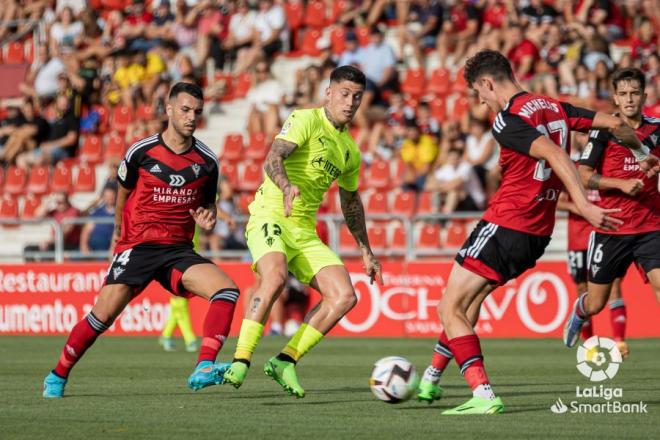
<point>593,180</point>
<point>353,210</point>
<point>122,196</point>
<point>274,169</point>
<point>623,132</point>
<point>556,157</point>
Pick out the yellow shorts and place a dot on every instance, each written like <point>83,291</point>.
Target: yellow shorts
<point>305,253</point>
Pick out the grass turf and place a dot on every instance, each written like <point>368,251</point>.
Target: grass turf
<point>129,388</point>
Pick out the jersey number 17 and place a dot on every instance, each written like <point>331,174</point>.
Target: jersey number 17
<point>557,131</point>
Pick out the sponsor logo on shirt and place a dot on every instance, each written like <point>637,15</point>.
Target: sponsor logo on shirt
<point>196,169</point>
<point>123,170</point>
<point>177,180</point>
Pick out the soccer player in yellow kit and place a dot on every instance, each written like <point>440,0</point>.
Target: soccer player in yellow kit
<point>312,150</point>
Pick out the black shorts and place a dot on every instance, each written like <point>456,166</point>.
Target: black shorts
<point>577,266</point>
<point>610,255</point>
<point>165,263</point>
<point>500,254</point>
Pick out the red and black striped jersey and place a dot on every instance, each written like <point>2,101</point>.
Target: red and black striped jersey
<point>527,198</point>
<point>164,187</point>
<point>605,154</point>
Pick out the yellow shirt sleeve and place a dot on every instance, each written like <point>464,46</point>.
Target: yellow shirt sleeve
<point>297,128</point>
<point>427,150</point>
<point>350,178</point>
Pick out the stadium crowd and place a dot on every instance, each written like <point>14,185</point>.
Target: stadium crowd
<point>100,71</point>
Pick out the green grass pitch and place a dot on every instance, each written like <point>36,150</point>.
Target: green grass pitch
<point>128,388</point>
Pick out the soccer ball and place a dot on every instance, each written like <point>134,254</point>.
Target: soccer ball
<point>393,379</point>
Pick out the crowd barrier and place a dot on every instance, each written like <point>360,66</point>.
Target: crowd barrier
<point>48,299</point>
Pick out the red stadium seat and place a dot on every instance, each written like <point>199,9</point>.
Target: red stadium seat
<point>425,203</point>
<point>15,180</point>
<point>456,234</point>
<point>338,8</point>
<point>399,171</point>
<point>122,116</point>
<point>242,86</point>
<point>85,178</point>
<point>230,171</point>
<point>414,83</point>
<point>30,205</point>
<point>338,40</point>
<point>116,146</point>
<point>232,151</point>
<point>8,208</point>
<point>145,112</point>
<point>91,150</point>
<point>428,237</point>
<point>257,148</point>
<point>461,107</point>
<point>309,42</point>
<point>15,53</point>
<point>244,201</point>
<point>2,178</point>
<point>104,117</point>
<point>61,181</point>
<point>29,51</point>
<point>440,82</point>
<point>346,240</point>
<point>438,107</point>
<point>251,178</point>
<point>404,203</point>
<point>459,85</point>
<point>399,238</point>
<point>38,180</point>
<point>363,35</point>
<point>378,175</point>
<point>378,203</point>
<point>295,14</point>
<point>315,16</point>
<point>377,237</point>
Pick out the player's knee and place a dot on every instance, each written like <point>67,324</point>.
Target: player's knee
<point>593,304</point>
<point>273,283</point>
<point>345,301</point>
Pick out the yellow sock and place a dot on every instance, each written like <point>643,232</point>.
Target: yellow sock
<point>248,339</point>
<point>183,319</point>
<point>304,340</point>
<point>171,323</point>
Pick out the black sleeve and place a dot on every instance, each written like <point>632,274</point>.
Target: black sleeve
<point>127,173</point>
<point>579,119</point>
<point>593,151</point>
<point>511,131</point>
<point>211,187</point>
<point>472,13</point>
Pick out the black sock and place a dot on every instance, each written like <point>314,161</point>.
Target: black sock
<point>286,358</point>
<point>243,361</point>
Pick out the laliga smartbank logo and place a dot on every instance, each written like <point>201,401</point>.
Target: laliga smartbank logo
<point>598,359</point>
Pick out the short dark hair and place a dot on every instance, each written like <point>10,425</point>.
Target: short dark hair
<point>628,74</point>
<point>348,73</point>
<point>183,87</point>
<point>487,62</point>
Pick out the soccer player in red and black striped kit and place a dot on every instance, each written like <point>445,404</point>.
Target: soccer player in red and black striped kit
<point>533,133</point>
<point>168,184</point>
<point>611,168</point>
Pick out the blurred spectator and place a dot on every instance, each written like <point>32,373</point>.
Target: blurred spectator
<point>29,132</point>
<point>241,34</point>
<point>228,234</point>
<point>10,123</point>
<point>308,90</point>
<point>65,34</point>
<point>644,43</point>
<point>42,79</point>
<point>458,185</point>
<point>421,30</point>
<point>271,35</point>
<point>418,152</point>
<point>387,135</point>
<point>265,98</point>
<point>482,152</point>
<point>459,29</point>
<point>351,55</point>
<point>97,236</point>
<point>62,139</point>
<point>57,207</point>
<point>522,53</point>
<point>378,62</point>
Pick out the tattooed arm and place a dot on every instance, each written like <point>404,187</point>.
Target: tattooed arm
<point>351,206</point>
<point>274,168</point>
